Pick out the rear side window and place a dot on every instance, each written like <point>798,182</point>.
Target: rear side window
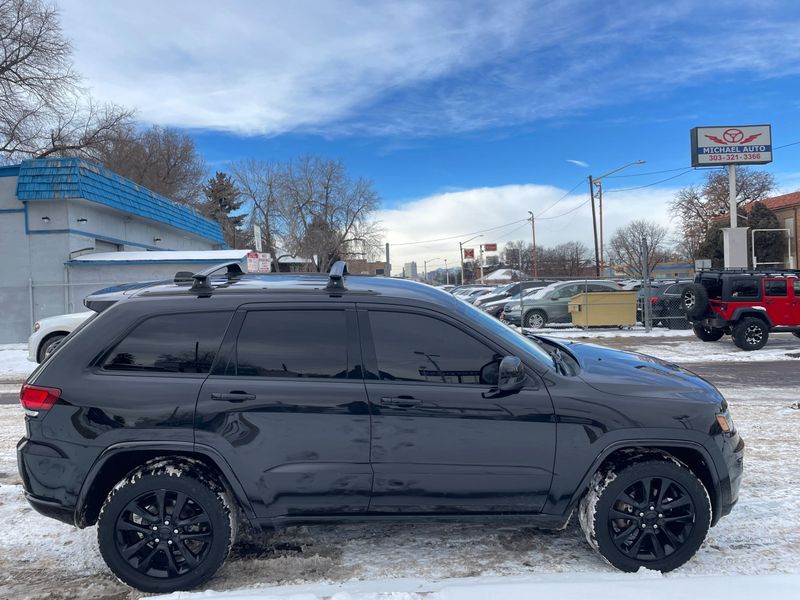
<point>744,288</point>
<point>293,343</point>
<point>797,287</point>
<point>177,343</point>
<point>775,287</point>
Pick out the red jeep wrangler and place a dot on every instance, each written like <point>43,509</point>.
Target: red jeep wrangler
<point>746,304</point>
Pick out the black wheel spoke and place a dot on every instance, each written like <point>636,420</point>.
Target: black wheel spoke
<point>172,567</point>
<point>677,503</point>
<point>195,536</point>
<point>128,526</point>
<point>688,518</point>
<point>617,514</point>
<point>661,491</point>
<point>188,555</point>
<point>628,499</point>
<point>672,538</point>
<point>195,520</point>
<point>144,564</point>
<point>634,550</point>
<point>131,550</point>
<point>180,502</point>
<point>160,504</point>
<point>658,547</point>
<point>625,533</point>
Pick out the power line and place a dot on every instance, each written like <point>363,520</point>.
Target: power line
<point>575,187</point>
<point>461,235</point>
<point>648,173</point>
<point>787,145</point>
<point>639,187</point>
<point>571,210</point>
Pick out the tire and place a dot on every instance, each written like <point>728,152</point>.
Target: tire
<point>535,319</point>
<point>751,333</point>
<point>162,561</point>
<point>618,521</point>
<point>694,301</point>
<point>708,334</point>
<point>49,342</point>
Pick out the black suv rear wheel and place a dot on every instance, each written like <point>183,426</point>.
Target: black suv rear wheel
<point>708,334</point>
<point>751,333</point>
<point>163,530</point>
<point>652,514</point>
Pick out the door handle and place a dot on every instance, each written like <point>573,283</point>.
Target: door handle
<point>401,401</point>
<point>233,397</point>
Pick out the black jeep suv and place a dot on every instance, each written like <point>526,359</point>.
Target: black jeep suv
<point>185,410</point>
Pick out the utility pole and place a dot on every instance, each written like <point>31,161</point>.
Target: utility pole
<point>461,254</point>
<point>594,227</point>
<point>481,247</point>
<point>446,273</point>
<point>599,185</point>
<point>388,270</point>
<point>534,258</point>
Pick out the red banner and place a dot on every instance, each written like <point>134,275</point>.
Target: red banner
<point>490,247</point>
<point>469,252</point>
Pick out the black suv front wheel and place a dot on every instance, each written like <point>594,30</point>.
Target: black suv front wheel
<point>652,514</point>
<point>163,529</point>
<point>751,333</point>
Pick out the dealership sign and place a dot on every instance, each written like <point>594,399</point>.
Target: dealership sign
<point>490,247</point>
<point>734,145</point>
<point>469,252</point>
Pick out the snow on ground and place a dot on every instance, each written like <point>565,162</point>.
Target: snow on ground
<point>14,363</point>
<point>40,557</point>
<point>567,330</point>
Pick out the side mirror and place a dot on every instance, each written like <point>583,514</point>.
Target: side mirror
<point>511,377</point>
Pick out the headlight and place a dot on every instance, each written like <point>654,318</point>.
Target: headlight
<point>36,326</point>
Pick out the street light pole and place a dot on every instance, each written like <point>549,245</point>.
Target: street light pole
<point>425,267</point>
<point>599,185</point>
<point>534,258</point>
<point>446,273</point>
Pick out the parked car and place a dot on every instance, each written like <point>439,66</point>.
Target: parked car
<point>745,304</point>
<point>495,307</point>
<point>471,295</point>
<point>666,306</point>
<point>48,333</point>
<point>183,411</point>
<point>508,290</point>
<point>550,304</point>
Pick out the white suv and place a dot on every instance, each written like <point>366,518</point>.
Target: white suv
<point>48,333</point>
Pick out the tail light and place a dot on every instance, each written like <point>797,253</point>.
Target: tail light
<point>35,398</point>
<point>653,301</point>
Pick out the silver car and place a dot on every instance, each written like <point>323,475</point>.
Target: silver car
<point>551,304</point>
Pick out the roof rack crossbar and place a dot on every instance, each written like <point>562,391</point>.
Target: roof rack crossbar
<point>336,276</point>
<point>201,282</point>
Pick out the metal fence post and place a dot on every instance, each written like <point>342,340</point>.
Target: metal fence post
<point>647,306</point>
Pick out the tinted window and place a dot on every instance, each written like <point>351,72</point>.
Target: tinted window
<point>797,287</point>
<point>184,343</point>
<point>744,288</point>
<point>775,287</point>
<point>293,343</point>
<point>600,287</point>
<point>413,347</point>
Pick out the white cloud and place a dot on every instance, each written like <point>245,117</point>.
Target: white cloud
<point>464,212</point>
<point>578,163</point>
<point>410,67</point>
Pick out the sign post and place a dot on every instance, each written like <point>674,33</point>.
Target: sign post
<point>731,146</point>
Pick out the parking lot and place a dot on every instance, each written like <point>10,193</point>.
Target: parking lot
<point>41,558</point>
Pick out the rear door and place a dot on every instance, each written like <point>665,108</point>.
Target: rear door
<point>441,442</point>
<point>779,303</point>
<point>287,408</point>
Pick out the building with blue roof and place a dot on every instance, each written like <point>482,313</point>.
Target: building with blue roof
<point>54,210</point>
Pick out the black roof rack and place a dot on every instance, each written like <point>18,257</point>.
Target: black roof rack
<point>751,271</point>
<point>336,276</point>
<point>201,282</point>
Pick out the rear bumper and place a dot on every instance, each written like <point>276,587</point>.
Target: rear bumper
<point>49,479</point>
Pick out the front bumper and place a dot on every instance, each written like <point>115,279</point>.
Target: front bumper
<point>729,463</point>
<point>513,318</point>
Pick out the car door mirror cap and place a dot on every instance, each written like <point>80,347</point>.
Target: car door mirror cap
<point>511,376</point>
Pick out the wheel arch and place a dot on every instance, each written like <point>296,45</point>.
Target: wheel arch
<point>118,461</point>
<point>532,310</point>
<point>758,313</point>
<point>688,454</point>
<point>42,343</point>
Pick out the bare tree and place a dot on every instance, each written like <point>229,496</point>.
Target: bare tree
<point>43,110</point>
<point>697,206</point>
<point>626,246</point>
<point>259,184</point>
<point>162,159</point>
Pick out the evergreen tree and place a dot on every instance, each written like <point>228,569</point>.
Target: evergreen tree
<point>221,203</point>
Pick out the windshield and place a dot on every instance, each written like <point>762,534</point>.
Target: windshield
<point>504,332</point>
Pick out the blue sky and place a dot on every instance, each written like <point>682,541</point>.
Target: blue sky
<point>465,114</point>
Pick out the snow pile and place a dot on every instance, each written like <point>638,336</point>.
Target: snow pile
<point>597,586</point>
<point>14,363</point>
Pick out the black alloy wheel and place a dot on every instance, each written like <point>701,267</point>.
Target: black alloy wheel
<point>708,334</point>
<point>163,533</point>
<point>751,333</point>
<point>651,519</point>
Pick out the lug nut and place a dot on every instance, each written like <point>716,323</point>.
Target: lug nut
<point>155,528</point>
<point>643,525</point>
<point>660,515</point>
<point>640,514</point>
<point>655,526</point>
<point>652,508</point>
<point>174,531</point>
<point>157,540</point>
<point>169,542</point>
<point>167,522</point>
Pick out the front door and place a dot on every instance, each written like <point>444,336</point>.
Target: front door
<point>441,443</point>
<point>778,301</point>
<point>287,408</point>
